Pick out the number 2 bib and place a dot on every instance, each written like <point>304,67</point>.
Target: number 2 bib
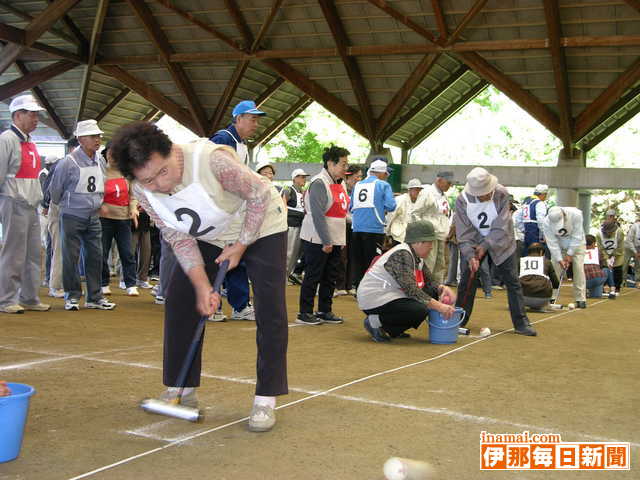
<point>192,210</point>
<point>609,244</point>
<point>481,215</point>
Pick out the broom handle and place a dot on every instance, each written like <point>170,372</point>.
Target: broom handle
<point>197,337</point>
<point>472,277</point>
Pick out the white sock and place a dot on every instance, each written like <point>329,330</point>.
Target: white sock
<point>265,401</point>
<point>187,390</point>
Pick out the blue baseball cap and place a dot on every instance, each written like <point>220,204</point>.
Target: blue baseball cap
<point>247,106</point>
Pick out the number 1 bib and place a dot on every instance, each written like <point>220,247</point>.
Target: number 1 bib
<point>29,161</point>
<point>192,210</point>
<point>481,215</point>
<point>592,257</point>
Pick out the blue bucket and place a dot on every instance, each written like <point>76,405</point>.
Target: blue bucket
<point>443,331</point>
<point>13,417</point>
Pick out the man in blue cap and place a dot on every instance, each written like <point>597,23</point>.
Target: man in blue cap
<point>245,122</point>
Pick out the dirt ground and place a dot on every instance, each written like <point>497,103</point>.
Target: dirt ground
<point>353,403</point>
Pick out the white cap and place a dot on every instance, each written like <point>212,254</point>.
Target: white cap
<point>25,102</point>
<point>298,172</point>
<point>414,183</point>
<point>379,166</point>
<point>51,158</point>
<point>480,182</point>
<point>265,163</point>
<point>555,215</point>
<point>541,188</point>
<point>86,128</point>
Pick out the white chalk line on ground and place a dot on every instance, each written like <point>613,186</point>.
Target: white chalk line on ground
<point>58,357</point>
<point>318,394</point>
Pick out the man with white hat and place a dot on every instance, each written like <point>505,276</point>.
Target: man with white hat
<point>398,220</point>
<point>244,124</point>
<point>611,244</point>
<point>565,238</point>
<point>20,194</point>
<point>484,227</point>
<point>292,196</point>
<point>77,187</point>
<point>533,212</point>
<point>632,249</point>
<point>371,199</point>
<point>433,205</point>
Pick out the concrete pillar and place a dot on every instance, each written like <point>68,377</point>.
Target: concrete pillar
<point>567,197</point>
<point>584,204</point>
<point>404,160</point>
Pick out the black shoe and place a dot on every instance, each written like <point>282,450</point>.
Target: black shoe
<point>308,319</point>
<point>377,334</point>
<point>528,331</point>
<point>294,279</point>
<point>612,296</point>
<point>329,317</point>
<point>581,304</point>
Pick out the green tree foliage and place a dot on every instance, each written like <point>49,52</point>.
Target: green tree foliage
<point>296,144</point>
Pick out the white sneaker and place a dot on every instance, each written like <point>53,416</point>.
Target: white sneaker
<point>72,304</point>
<point>155,290</point>
<point>159,300</point>
<point>247,313</point>
<point>122,285</point>
<point>340,293</point>
<point>106,290</point>
<point>142,284</point>
<point>12,309</point>
<point>133,292</point>
<point>102,304</point>
<point>56,293</point>
<point>219,316</point>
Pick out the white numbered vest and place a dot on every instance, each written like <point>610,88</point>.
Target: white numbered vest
<point>192,210</point>
<point>91,179</point>
<point>299,201</point>
<point>481,214</point>
<point>532,266</point>
<point>592,256</point>
<point>363,196</point>
<point>610,243</point>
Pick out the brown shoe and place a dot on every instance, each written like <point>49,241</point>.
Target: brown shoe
<point>12,309</point>
<point>40,307</point>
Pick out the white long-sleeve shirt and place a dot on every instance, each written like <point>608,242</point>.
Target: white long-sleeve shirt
<point>398,219</point>
<point>433,205</point>
<point>567,236</point>
<point>632,239</point>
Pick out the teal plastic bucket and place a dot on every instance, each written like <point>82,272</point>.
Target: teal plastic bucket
<point>13,417</point>
<point>443,331</point>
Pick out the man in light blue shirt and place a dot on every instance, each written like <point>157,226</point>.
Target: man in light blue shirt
<point>371,199</point>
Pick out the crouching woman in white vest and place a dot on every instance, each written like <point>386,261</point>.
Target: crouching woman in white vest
<point>210,208</point>
<point>397,292</point>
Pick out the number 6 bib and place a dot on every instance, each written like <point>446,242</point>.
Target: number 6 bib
<point>481,214</point>
<point>192,210</point>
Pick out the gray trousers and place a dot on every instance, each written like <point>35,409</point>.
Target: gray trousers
<point>293,248</point>
<point>75,231</point>
<point>20,253</point>
<point>53,225</point>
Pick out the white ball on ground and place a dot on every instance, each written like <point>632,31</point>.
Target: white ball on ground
<point>397,468</point>
<point>571,306</point>
<point>485,331</point>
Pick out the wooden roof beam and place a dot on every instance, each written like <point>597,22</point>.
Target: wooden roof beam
<point>275,9</point>
<point>98,23</point>
<point>176,71</point>
<point>515,92</point>
<point>440,21</point>
<point>591,115</point>
<point>350,64</point>
<point>25,16</point>
<point>271,89</point>
<point>240,22</point>
<point>208,28</point>
<point>404,19</point>
<point>446,115</point>
<point>35,78</point>
<point>75,31</point>
<point>615,125</point>
<point>42,99</point>
<point>283,120</point>
<point>470,15</point>
<point>406,91</point>
<point>113,103</point>
<point>151,115</point>
<point>336,106</point>
<point>227,95</point>
<point>633,4</point>
<point>152,95</point>
<point>34,30</point>
<point>559,62</point>
<point>421,105</point>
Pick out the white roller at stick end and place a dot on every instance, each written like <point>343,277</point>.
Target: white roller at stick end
<point>485,331</point>
<point>572,306</point>
<point>397,468</point>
